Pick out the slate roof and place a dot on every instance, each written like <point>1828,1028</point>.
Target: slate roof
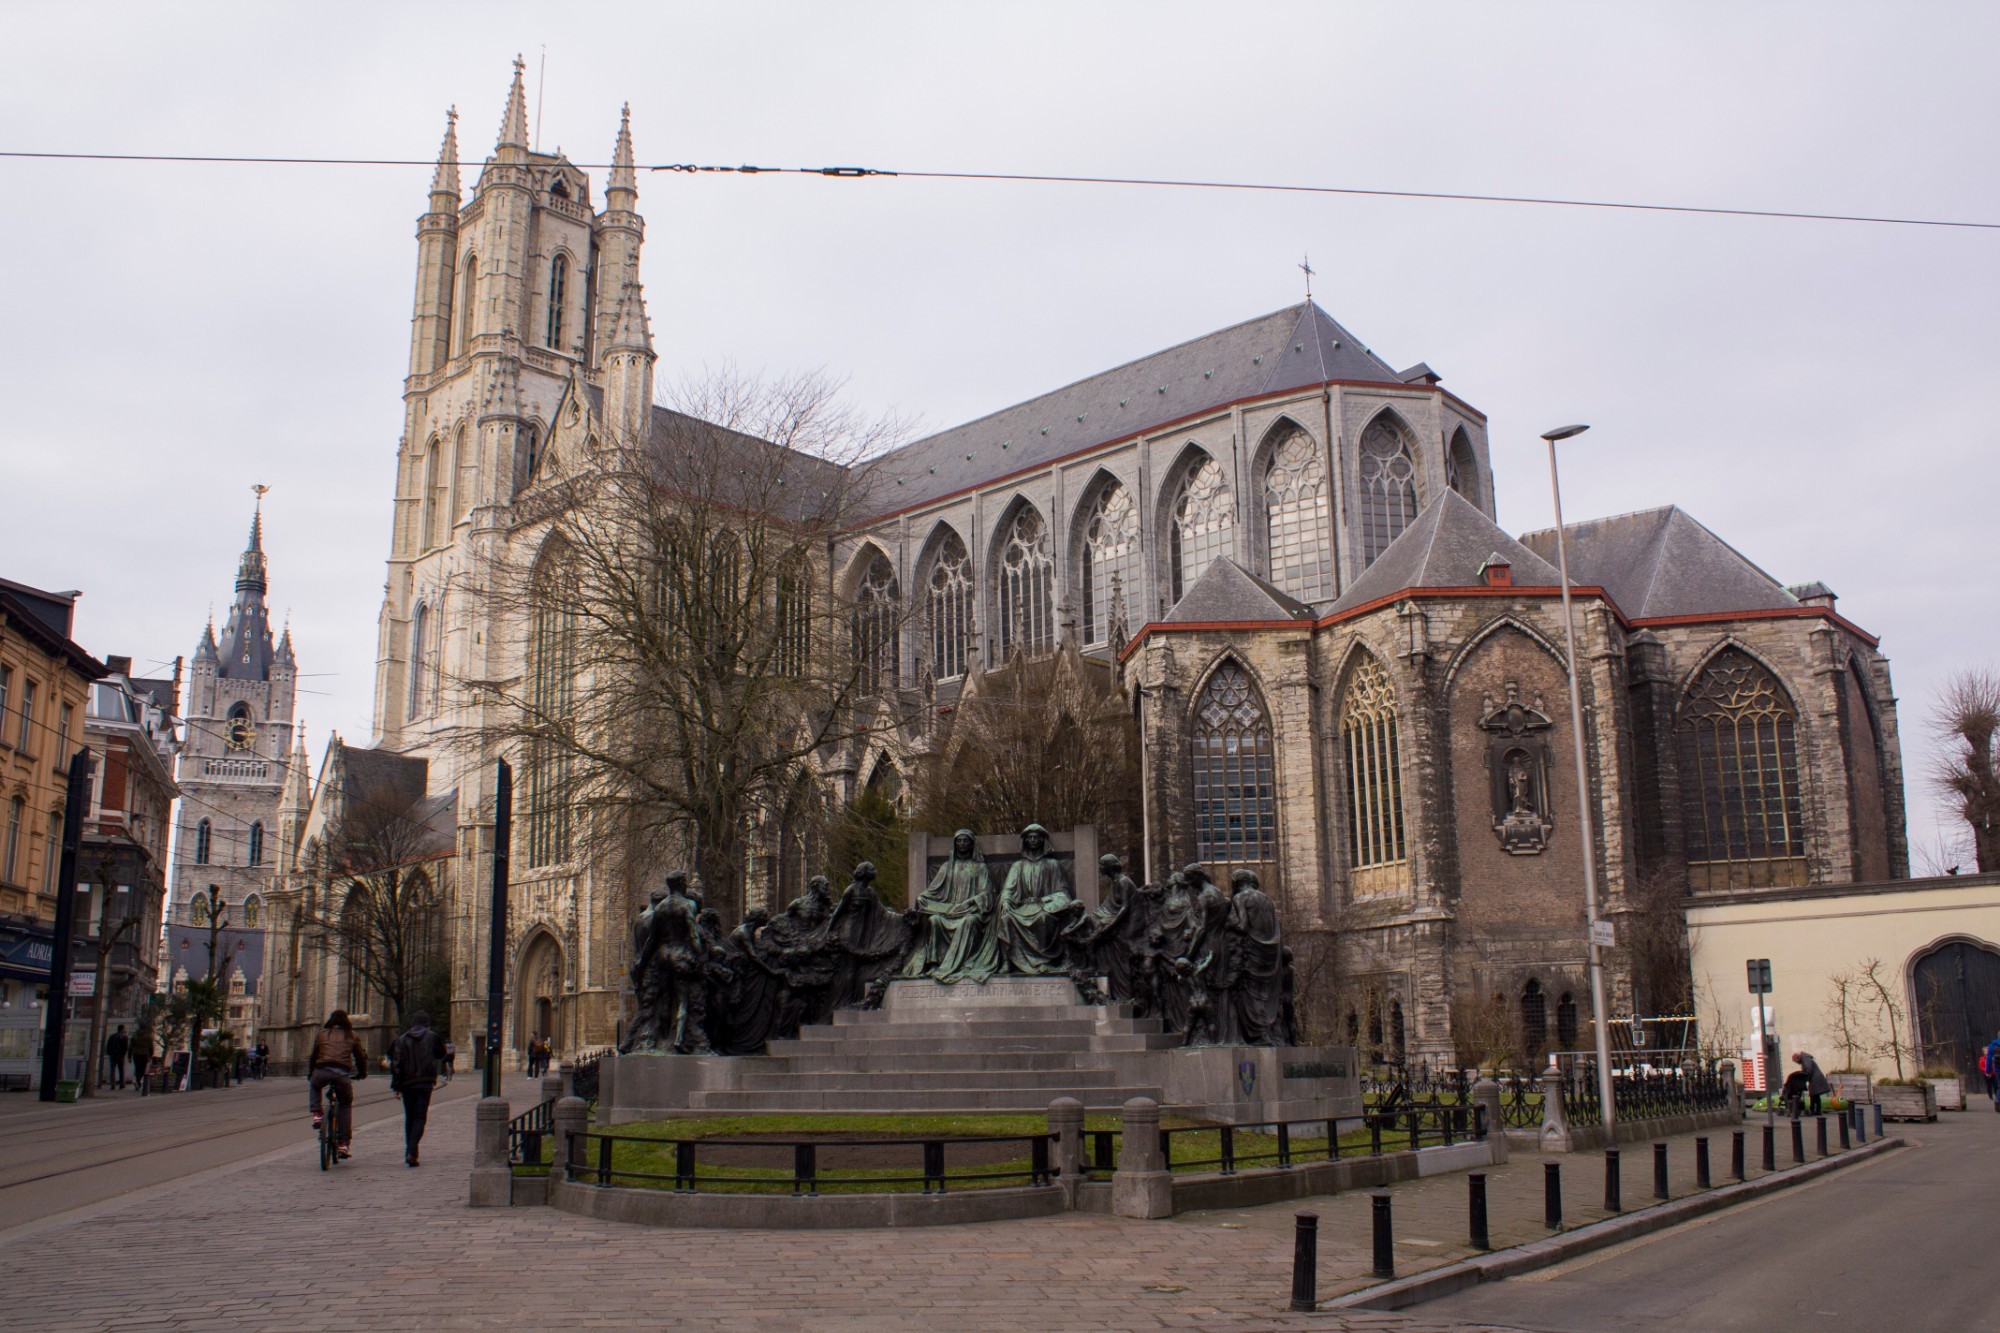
<point>1661,562</point>
<point>1227,593</point>
<point>1445,546</point>
<point>381,776</point>
<point>1288,349</point>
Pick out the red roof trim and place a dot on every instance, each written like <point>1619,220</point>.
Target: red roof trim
<point>1769,613</point>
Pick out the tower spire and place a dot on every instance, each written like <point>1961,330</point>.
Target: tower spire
<point>246,649</point>
<point>623,176</point>
<point>514,124</point>
<point>444,182</point>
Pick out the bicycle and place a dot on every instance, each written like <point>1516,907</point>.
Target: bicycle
<point>329,1143</point>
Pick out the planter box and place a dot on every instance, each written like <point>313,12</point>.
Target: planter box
<point>1950,1093</point>
<point>1906,1101</point>
<point>1853,1087</point>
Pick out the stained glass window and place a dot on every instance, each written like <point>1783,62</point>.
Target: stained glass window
<point>1235,798</point>
<point>1027,576</point>
<point>552,664</point>
<point>1740,765</point>
<point>1296,511</point>
<point>1388,488</point>
<point>948,608</point>
<point>877,608</point>
<point>1110,565</point>
<point>1204,523</point>
<point>558,291</point>
<point>1374,767</point>
<point>794,613</point>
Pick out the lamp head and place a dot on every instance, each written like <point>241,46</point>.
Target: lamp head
<point>1563,433</point>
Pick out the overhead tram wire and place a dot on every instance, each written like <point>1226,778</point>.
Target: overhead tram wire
<point>1041,178</point>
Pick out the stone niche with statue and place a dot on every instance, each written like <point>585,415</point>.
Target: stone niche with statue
<point>1004,985</point>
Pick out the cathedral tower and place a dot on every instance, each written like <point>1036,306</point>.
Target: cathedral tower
<point>241,692</point>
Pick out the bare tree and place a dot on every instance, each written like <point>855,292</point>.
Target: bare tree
<point>1486,1031</point>
<point>1876,990</point>
<point>1848,1019</point>
<point>1966,720</point>
<point>1044,739</point>
<point>1656,941</point>
<point>375,902</point>
<point>690,662</point>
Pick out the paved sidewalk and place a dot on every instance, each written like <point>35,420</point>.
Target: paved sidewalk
<point>377,1245</point>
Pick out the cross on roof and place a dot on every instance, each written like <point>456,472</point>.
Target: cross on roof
<point>1306,267</point>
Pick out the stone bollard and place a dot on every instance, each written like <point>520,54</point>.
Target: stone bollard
<point>1486,1093</point>
<point>1555,1125</point>
<point>1728,1071</point>
<point>554,1086</point>
<point>1142,1186</point>
<point>1066,1128</point>
<point>492,1178</point>
<point>570,1116</point>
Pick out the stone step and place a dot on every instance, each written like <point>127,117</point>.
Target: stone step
<point>807,1048</point>
<point>1057,1081</point>
<point>860,1020</point>
<point>950,1027</point>
<point>893,1101</point>
<point>926,1060</point>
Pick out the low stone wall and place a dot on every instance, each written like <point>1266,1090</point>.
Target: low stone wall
<point>785,1212</point>
<point>1584,1138</point>
<point>1247,1189</point>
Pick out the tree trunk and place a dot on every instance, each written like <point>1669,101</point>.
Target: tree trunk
<point>99,1000</point>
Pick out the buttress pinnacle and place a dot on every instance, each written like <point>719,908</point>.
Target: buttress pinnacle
<point>622,174</point>
<point>445,181</point>
<point>514,124</point>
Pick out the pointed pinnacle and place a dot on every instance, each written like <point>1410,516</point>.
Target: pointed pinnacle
<point>622,175</point>
<point>445,181</point>
<point>629,328</point>
<point>514,124</point>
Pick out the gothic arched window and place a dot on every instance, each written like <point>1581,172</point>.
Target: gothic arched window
<point>434,515</point>
<point>420,625</point>
<point>1388,487</point>
<point>1110,566</point>
<point>552,672</point>
<point>1374,767</point>
<point>877,609</point>
<point>1204,523</point>
<point>1027,576</point>
<point>1566,1028</point>
<point>1234,754</point>
<point>1740,774</point>
<point>558,289</point>
<point>1534,1017</point>
<point>465,304</point>
<point>1296,512</point>
<point>794,615</point>
<point>948,607</point>
<point>1461,467</point>
<point>202,835</point>
<point>256,844</point>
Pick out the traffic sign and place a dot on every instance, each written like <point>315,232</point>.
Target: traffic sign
<point>1760,976</point>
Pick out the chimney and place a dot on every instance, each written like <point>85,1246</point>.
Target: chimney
<point>120,666</point>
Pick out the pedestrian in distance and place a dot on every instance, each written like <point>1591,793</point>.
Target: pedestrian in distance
<point>1816,1082</point>
<point>142,1058</point>
<point>414,1061</point>
<point>116,1047</point>
<point>450,1061</point>
<point>1990,1061</point>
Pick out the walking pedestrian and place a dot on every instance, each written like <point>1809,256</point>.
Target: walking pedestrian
<point>142,1058</point>
<point>116,1047</point>
<point>450,1061</point>
<point>1816,1081</point>
<point>1991,1060</point>
<point>414,1059</point>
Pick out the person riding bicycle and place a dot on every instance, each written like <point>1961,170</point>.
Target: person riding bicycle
<point>335,1051</point>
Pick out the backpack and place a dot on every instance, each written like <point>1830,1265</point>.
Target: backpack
<point>414,1059</point>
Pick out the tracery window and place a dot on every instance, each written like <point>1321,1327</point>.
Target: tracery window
<point>1461,467</point>
<point>1388,488</point>
<point>794,614</point>
<point>1740,768</point>
<point>558,287</point>
<point>552,635</point>
<point>1534,1017</point>
<point>420,624</point>
<point>256,844</point>
<point>1204,523</point>
<point>1296,512</point>
<point>1027,586</point>
<point>202,835</point>
<point>1235,799</point>
<point>877,607</point>
<point>1374,767</point>
<point>948,607</point>
<point>1110,565</point>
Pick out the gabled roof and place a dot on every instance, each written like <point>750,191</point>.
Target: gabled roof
<point>1661,562</point>
<point>1288,349</point>
<point>381,776</point>
<point>1446,546</point>
<point>1226,593</point>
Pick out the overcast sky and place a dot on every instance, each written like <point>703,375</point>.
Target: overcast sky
<point>1812,391</point>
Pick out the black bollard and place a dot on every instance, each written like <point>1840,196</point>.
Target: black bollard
<point>1475,1185</point>
<point>1821,1132</point>
<point>1845,1128</point>
<point>1612,1182</point>
<point>1799,1142</point>
<point>1552,1195</point>
<point>1660,1190</point>
<point>1736,1154</point>
<point>1305,1262</point>
<point>1385,1241</point>
<point>1770,1147</point>
<point>1701,1181</point>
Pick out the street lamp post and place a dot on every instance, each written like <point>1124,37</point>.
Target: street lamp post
<point>1601,1016</point>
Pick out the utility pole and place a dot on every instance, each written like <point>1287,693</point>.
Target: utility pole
<point>75,797</point>
<point>496,953</point>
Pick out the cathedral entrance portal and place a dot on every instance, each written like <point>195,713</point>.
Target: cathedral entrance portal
<point>539,991</point>
<point>1955,990</point>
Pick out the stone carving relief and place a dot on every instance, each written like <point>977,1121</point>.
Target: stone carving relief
<point>1517,763</point>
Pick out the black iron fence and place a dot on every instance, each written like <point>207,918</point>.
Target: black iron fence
<point>526,1134</point>
<point>583,1074</point>
<point>678,1165</point>
<point>1645,1092</point>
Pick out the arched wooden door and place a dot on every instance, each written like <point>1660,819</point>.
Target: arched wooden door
<point>1957,1002</point>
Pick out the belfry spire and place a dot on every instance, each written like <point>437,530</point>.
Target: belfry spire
<point>246,650</point>
<point>445,181</point>
<point>514,124</point>
<point>623,176</point>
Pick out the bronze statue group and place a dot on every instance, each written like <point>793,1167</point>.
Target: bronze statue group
<point>1210,964</point>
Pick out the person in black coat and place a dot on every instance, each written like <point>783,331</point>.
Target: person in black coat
<point>414,1061</point>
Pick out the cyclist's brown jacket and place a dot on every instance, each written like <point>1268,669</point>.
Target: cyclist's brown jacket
<point>336,1049</point>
